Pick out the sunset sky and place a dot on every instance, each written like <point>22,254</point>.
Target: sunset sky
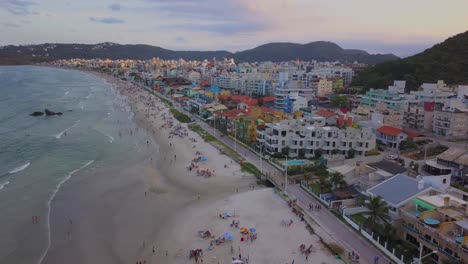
<point>402,27</point>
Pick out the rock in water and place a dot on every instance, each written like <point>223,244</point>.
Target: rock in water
<point>37,113</point>
<point>48,112</point>
<point>59,113</point>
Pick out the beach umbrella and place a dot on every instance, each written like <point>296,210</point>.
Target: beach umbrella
<point>253,230</point>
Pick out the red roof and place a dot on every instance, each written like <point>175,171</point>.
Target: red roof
<point>237,97</point>
<point>412,134</point>
<point>268,99</point>
<point>388,130</point>
<point>250,102</point>
<point>325,113</point>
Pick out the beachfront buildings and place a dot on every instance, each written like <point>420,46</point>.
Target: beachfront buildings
<point>228,81</point>
<point>304,138</point>
<point>439,223</point>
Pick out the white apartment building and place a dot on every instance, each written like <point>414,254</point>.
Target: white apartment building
<point>194,76</point>
<point>255,85</point>
<point>335,71</point>
<point>432,92</point>
<point>311,135</point>
<point>283,90</point>
<point>230,82</point>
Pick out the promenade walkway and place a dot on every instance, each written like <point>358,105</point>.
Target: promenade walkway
<point>339,231</point>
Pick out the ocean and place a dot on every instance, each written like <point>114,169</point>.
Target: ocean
<point>38,155</point>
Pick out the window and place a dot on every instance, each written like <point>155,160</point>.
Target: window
<point>283,133</point>
<point>275,132</point>
<point>283,143</point>
<point>300,143</point>
<point>444,181</point>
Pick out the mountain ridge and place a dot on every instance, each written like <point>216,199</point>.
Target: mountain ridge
<point>446,61</point>
<point>278,51</point>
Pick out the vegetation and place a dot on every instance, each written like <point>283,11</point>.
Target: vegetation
<point>181,117</point>
<point>444,61</point>
<point>337,180</point>
<point>250,168</point>
<point>205,135</point>
<point>373,152</point>
<point>340,101</point>
<point>377,214</point>
<point>351,153</point>
<point>320,50</point>
<point>408,144</point>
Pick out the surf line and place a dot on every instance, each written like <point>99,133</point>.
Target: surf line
<point>49,202</point>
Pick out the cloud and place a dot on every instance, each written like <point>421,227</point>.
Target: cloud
<point>180,40</point>
<point>115,7</point>
<point>107,20</point>
<point>217,16</point>
<point>16,7</point>
<point>224,28</point>
<point>11,25</point>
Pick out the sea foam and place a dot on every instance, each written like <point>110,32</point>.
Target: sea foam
<point>49,202</point>
<point>2,185</point>
<point>20,168</point>
<point>59,135</point>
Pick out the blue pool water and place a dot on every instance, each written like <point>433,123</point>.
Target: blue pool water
<point>295,162</point>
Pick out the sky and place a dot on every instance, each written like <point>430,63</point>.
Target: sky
<point>401,27</point>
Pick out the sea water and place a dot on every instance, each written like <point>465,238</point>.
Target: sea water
<point>39,154</point>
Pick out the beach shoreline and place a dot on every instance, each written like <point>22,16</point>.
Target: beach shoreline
<point>158,204</point>
<point>163,177</point>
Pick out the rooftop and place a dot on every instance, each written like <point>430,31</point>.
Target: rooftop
<point>388,166</point>
<point>388,130</point>
<point>398,189</point>
<point>325,113</point>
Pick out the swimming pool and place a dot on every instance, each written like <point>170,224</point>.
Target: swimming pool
<point>295,162</point>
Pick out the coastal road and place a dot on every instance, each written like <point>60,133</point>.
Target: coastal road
<point>335,228</point>
<point>329,222</point>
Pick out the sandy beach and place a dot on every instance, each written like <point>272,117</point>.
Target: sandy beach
<point>151,210</point>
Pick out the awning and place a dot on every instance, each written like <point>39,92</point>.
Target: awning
<point>423,204</point>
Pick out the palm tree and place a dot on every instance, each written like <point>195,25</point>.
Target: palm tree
<point>387,231</point>
<point>324,183</point>
<point>337,180</point>
<point>378,212</point>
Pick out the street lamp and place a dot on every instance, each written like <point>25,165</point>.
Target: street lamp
<point>421,257</point>
<point>286,175</point>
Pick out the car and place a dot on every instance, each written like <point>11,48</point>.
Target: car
<point>391,157</point>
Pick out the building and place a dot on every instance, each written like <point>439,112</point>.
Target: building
<point>303,138</point>
<point>294,103</point>
<point>299,87</point>
<point>432,92</point>
<point>439,223</point>
<point>392,99</point>
<point>230,82</point>
<point>396,191</point>
<point>419,117</point>
<point>390,136</point>
<point>451,120</point>
<point>324,87</point>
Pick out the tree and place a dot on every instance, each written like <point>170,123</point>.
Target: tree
<point>260,101</point>
<point>351,153</point>
<point>387,231</point>
<point>301,153</point>
<point>318,153</point>
<point>337,180</point>
<point>324,183</point>
<point>285,151</point>
<point>378,212</point>
<point>339,101</point>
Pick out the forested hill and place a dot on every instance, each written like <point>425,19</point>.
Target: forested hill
<point>446,61</point>
<point>319,50</point>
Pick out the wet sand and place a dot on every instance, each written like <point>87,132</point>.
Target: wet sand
<point>113,221</point>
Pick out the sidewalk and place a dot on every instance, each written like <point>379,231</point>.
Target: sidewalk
<point>339,231</point>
